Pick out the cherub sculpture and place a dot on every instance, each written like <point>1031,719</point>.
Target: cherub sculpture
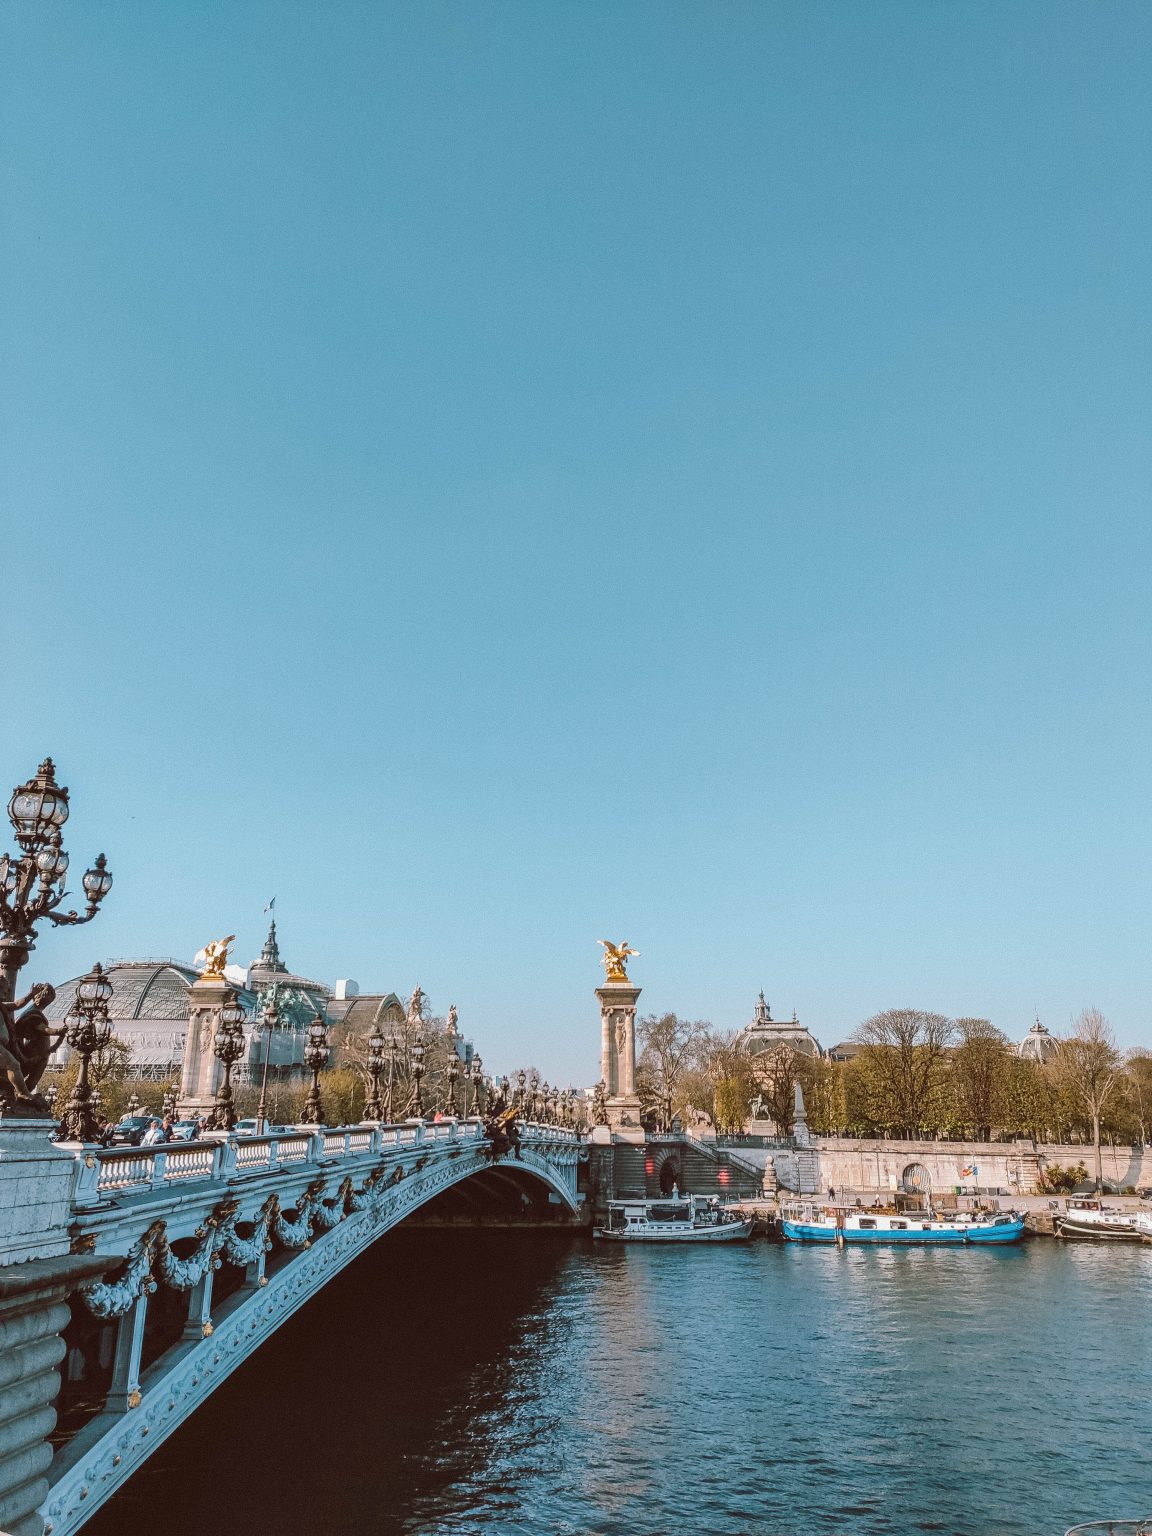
<point>616,959</point>
<point>216,957</point>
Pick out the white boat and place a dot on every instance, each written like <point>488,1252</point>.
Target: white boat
<point>806,1222</point>
<point>1088,1216</point>
<point>679,1219</point>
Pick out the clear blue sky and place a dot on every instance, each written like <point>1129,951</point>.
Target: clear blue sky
<point>502,475</point>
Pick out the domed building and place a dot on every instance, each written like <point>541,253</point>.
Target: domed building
<point>1039,1045</point>
<point>767,1034</point>
<point>148,1009</point>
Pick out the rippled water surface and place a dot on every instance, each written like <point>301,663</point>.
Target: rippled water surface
<point>510,1383</point>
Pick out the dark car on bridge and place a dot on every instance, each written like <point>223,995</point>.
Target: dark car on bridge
<point>129,1132</point>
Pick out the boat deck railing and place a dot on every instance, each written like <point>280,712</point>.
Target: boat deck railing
<point>1113,1528</point>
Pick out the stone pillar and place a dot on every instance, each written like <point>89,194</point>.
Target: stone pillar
<point>36,1274</point>
<point>617,1001</point>
<point>201,1072</point>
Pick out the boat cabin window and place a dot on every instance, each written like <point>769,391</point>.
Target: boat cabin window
<point>899,1226</point>
<point>867,1224</point>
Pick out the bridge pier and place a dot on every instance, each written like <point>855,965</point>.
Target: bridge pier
<point>36,1275</point>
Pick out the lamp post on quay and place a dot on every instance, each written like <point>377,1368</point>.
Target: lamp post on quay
<point>89,1031</point>
<point>417,1103</point>
<point>315,1059</point>
<point>32,889</point>
<point>374,1110</point>
<point>229,1047</point>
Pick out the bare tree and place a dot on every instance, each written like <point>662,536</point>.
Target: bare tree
<point>669,1047</point>
<point>1091,1070</point>
<point>903,1050</point>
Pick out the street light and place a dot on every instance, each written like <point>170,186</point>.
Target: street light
<point>521,1079</point>
<point>52,1094</point>
<point>168,1103</point>
<point>229,1047</point>
<point>89,1031</point>
<point>453,1075</point>
<point>315,1058</point>
<point>417,1103</point>
<point>393,1048</point>
<point>133,1105</point>
<point>263,1029</point>
<point>32,884</point>
<point>374,1110</point>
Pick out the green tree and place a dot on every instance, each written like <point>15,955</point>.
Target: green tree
<point>978,1075</point>
<point>901,1064</point>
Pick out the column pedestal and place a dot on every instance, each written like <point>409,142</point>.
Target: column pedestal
<point>617,1001</point>
<point>202,1070</point>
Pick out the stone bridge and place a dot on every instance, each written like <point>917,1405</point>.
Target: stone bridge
<point>182,1259</point>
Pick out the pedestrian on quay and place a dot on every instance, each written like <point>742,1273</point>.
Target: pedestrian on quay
<point>154,1136</point>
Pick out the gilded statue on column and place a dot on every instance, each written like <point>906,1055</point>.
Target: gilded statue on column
<point>216,957</point>
<point>616,959</point>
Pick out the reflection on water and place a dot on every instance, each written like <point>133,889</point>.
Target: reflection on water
<point>460,1383</point>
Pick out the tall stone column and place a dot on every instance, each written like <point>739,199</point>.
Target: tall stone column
<point>201,1071</point>
<point>617,1001</point>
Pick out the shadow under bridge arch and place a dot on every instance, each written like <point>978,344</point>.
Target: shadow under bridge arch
<point>507,1193</point>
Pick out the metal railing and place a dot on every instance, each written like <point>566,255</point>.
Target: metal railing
<point>103,1172</point>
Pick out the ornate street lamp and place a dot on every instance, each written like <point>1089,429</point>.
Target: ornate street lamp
<point>417,1103</point>
<point>315,1059</point>
<point>521,1079</point>
<point>229,1047</point>
<point>52,1095</point>
<point>89,1031</point>
<point>477,1086</point>
<point>133,1105</point>
<point>534,1096</point>
<point>168,1103</point>
<point>453,1076</point>
<point>32,884</point>
<point>374,1110</point>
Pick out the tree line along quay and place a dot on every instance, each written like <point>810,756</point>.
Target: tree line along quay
<point>910,1074</point>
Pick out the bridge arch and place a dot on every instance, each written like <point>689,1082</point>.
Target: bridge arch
<point>315,1215</point>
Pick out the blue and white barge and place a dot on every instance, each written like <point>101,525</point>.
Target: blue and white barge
<point>805,1222</point>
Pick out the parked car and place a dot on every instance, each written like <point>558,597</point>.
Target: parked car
<point>129,1132</point>
<point>185,1130</point>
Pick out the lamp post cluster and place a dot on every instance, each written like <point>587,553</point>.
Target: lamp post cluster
<point>316,1054</point>
<point>32,884</point>
<point>229,1047</point>
<point>540,1101</point>
<point>89,1031</point>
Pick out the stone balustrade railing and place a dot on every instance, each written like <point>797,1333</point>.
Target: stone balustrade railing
<point>107,1171</point>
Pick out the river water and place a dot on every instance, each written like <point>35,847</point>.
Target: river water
<point>492,1382</point>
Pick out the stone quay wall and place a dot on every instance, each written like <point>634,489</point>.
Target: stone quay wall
<point>1014,1166</point>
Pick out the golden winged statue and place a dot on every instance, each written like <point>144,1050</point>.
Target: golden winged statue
<point>616,959</point>
<point>216,956</point>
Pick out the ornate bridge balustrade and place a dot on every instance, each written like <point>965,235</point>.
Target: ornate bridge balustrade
<point>221,1242</point>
